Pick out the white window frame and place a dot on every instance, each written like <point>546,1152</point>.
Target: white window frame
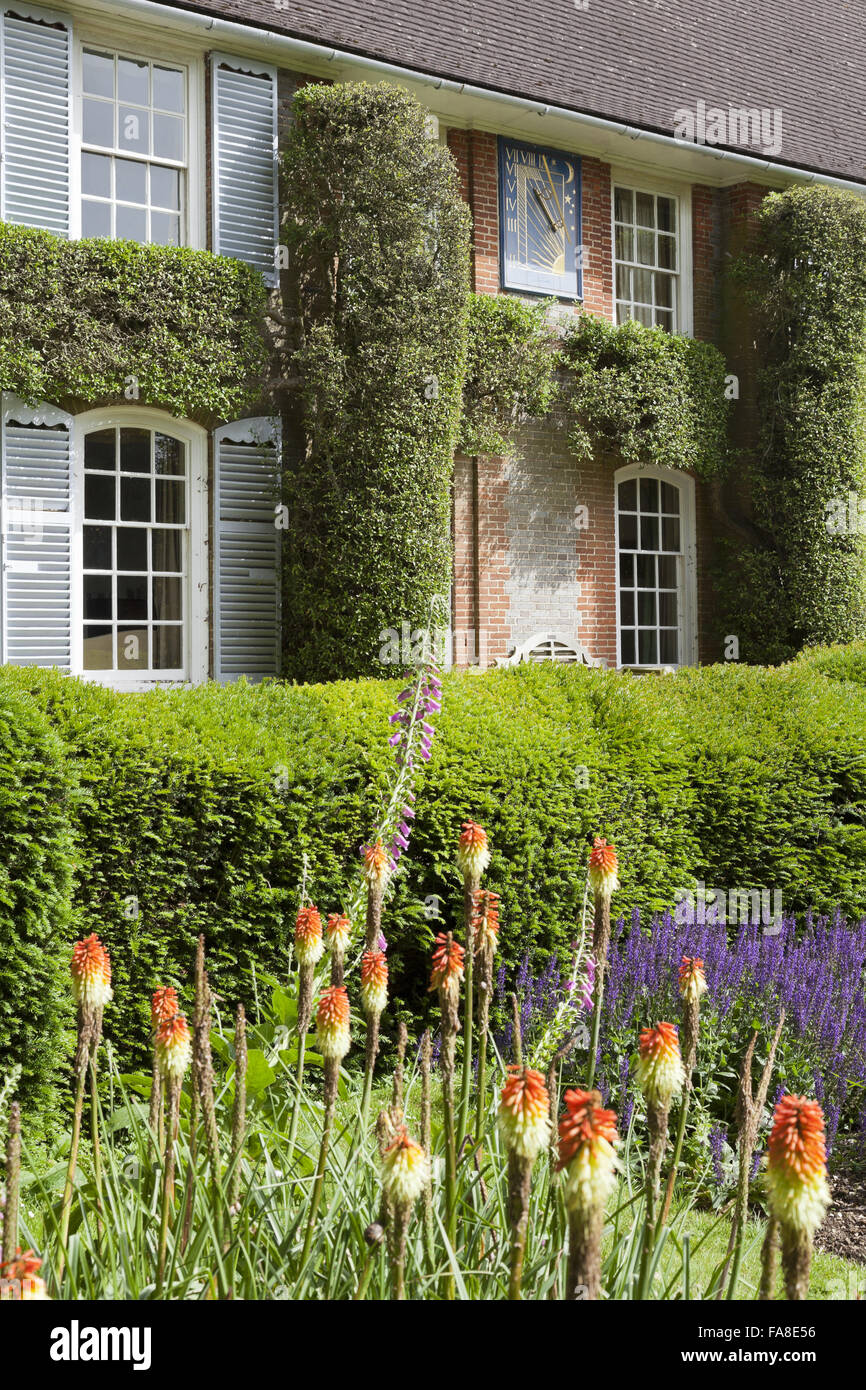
<point>196,636</point>
<point>683,280</point>
<point>144,48</point>
<point>688,593</point>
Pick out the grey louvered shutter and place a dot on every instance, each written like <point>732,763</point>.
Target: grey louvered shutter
<point>244,107</point>
<point>35,535</point>
<point>35,105</point>
<point>246,550</point>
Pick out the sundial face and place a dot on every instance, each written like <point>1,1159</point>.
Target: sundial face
<point>540,219</point>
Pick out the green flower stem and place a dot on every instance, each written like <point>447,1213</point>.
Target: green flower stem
<point>168,1179</point>
<point>332,1072</point>
<point>468,1008</point>
<point>600,942</point>
<point>66,1204</point>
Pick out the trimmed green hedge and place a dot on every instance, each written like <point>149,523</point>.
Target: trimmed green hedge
<point>83,322</point>
<point>197,807</point>
<point>36,793</point>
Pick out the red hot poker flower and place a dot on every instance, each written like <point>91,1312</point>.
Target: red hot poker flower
<point>603,866</point>
<point>692,979</point>
<point>163,1005</point>
<point>91,973</point>
<point>473,852</point>
<point>447,970</point>
<point>309,946</point>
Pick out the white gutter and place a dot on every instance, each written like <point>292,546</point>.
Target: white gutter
<point>288,51</point>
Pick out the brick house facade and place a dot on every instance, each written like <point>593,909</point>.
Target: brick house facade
<point>539,550</point>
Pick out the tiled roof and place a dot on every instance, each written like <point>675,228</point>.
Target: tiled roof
<point>630,60</point>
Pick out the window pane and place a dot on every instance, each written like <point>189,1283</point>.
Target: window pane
<point>646,248</point>
<point>95,219</point>
<point>670,533</point>
<point>646,571</point>
<point>133,82</point>
<point>624,205</point>
<point>164,187</point>
<point>626,568</point>
<point>628,495</point>
<point>626,609</point>
<point>642,280</point>
<point>131,224</point>
<point>668,609</point>
<point>647,648</point>
<point>135,451</point>
<point>164,229</point>
<point>99,450</point>
<point>646,608</point>
<point>667,253</point>
<point>649,494</point>
<point>645,209</point>
<point>98,122</point>
<point>97,70</point>
<point>649,533</point>
<point>667,572</point>
<point>131,596</point>
<point>168,456</point>
<point>135,499</point>
<point>132,648</point>
<point>669,647</point>
<point>623,282</point>
<point>167,648</point>
<point>97,596</point>
<point>168,89</point>
<point>665,320</point>
<point>97,547</point>
<point>644,316</point>
<point>98,649</point>
<point>666,214</point>
<point>96,175</point>
<point>131,548</point>
<point>167,136</point>
<point>167,599</point>
<point>624,244</point>
<point>670,499</point>
<point>167,551</point>
<point>131,181</point>
<point>627,648</point>
<point>664,291</point>
<point>133,129</point>
<point>99,497</point>
<point>628,532</point>
<point>623,313</point>
<point>170,501</point>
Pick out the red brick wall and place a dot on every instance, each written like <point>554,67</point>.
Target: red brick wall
<point>597,238</point>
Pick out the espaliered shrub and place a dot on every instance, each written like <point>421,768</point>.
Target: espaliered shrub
<point>37,794</point>
<point>377,286</point>
<point>807,279</point>
<point>85,322</point>
<point>202,804</point>
<point>653,397</point>
<point>511,359</point>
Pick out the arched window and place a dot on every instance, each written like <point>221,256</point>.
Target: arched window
<point>656,603</point>
<point>139,614</point>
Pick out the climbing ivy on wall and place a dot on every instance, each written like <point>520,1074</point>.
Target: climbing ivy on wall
<point>510,370</point>
<point>93,321</point>
<point>377,296</point>
<point>649,396</point>
<point>804,580</point>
